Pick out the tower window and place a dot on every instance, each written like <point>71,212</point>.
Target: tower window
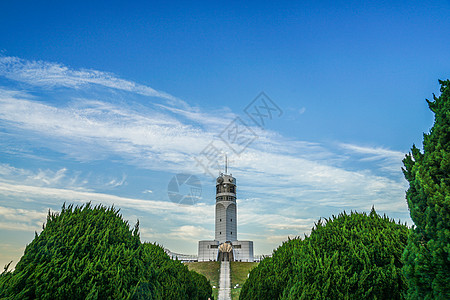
<point>231,220</point>
<point>220,232</point>
<point>220,220</point>
<point>232,232</point>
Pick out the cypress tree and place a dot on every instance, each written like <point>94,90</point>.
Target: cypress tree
<point>427,255</point>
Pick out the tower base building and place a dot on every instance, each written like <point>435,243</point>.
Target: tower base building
<point>225,246</point>
<point>240,251</point>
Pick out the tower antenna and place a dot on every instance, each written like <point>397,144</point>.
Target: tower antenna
<point>226,163</point>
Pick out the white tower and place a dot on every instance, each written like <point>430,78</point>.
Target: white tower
<point>226,212</point>
<point>225,246</point>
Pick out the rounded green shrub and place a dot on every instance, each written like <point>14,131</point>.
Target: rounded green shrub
<point>351,256</point>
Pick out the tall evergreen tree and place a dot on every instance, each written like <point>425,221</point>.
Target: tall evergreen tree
<point>88,252</point>
<point>427,255</point>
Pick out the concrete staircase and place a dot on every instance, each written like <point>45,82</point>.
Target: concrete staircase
<point>225,281</point>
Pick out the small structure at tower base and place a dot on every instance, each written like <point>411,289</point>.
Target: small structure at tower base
<point>226,246</point>
<point>240,251</point>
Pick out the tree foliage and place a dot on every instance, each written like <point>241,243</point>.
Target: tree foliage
<point>88,252</point>
<point>354,256</point>
<point>427,255</point>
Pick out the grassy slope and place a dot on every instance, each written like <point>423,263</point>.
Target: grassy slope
<point>239,272</point>
<point>210,270</point>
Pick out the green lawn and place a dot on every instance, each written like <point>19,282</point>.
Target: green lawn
<point>239,273</point>
<point>211,270</point>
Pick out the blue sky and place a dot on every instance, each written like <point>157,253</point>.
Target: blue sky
<point>106,102</point>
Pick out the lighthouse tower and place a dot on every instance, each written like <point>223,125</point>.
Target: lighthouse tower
<point>225,246</point>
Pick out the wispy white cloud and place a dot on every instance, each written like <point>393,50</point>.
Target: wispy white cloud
<point>375,152</point>
<point>39,192</point>
<point>104,130</point>
<point>41,177</point>
<point>189,233</point>
<point>302,110</point>
<point>22,216</point>
<point>56,178</point>
<point>48,74</point>
<point>388,160</point>
<point>115,182</point>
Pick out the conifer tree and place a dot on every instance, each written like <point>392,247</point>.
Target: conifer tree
<point>427,255</point>
<point>351,256</point>
<point>88,252</point>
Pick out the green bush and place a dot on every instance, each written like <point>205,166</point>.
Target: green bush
<point>354,256</point>
<point>89,252</point>
<point>427,255</point>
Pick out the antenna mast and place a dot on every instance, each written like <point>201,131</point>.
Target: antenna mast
<point>226,163</point>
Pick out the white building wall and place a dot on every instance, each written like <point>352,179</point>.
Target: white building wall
<point>243,251</point>
<point>231,222</point>
<point>208,250</point>
<point>226,221</point>
<point>220,224</point>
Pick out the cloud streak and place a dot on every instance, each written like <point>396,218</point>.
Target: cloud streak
<point>49,75</point>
